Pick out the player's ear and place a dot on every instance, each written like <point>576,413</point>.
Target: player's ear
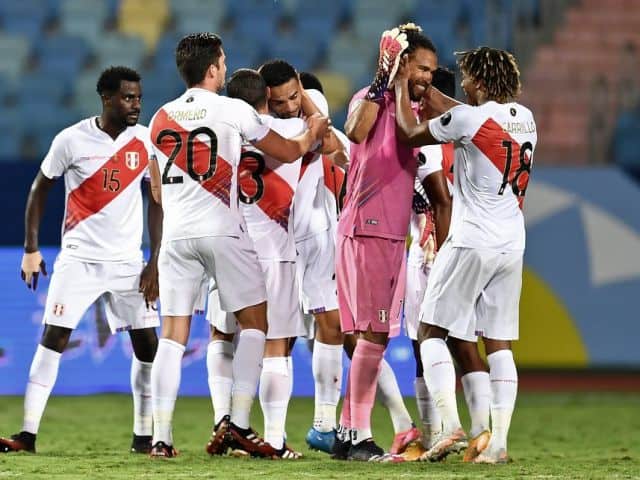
<point>268,93</point>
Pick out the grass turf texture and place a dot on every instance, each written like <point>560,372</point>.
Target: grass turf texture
<point>582,435</point>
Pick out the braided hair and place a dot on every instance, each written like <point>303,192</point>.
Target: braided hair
<point>496,69</point>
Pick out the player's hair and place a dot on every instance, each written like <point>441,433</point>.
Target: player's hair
<point>276,72</point>
<point>248,85</point>
<point>309,80</point>
<point>195,53</point>
<point>445,81</point>
<point>109,81</point>
<point>416,38</point>
<point>496,69</point>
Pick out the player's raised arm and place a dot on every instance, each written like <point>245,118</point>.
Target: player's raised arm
<point>289,150</point>
<point>32,262</point>
<point>363,114</point>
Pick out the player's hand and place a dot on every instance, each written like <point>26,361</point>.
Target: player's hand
<point>429,249</point>
<point>392,44</point>
<point>319,125</point>
<point>149,283</point>
<point>32,265</point>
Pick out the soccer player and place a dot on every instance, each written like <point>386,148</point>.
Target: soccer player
<point>370,252</point>
<point>103,160</point>
<point>435,160</point>
<point>316,250</point>
<point>198,139</point>
<point>475,282</point>
<point>266,193</point>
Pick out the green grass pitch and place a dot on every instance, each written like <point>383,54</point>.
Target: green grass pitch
<point>579,435</point>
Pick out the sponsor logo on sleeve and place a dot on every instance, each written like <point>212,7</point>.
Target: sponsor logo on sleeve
<point>445,119</point>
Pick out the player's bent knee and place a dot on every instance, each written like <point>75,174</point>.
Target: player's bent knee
<point>55,338</point>
<point>145,343</point>
<point>253,317</point>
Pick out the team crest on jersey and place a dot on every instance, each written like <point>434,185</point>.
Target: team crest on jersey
<point>132,160</point>
<point>445,119</point>
<point>58,309</point>
<point>383,316</point>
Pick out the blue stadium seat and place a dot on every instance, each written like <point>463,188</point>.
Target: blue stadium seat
<point>191,8</point>
<point>62,54</point>
<point>205,21</point>
<point>302,55</point>
<point>259,29</point>
<point>116,49</point>
<point>14,52</point>
<point>86,25</point>
<point>40,87</point>
<point>315,30</point>
<point>267,9</point>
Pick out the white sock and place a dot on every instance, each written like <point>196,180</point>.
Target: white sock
<point>165,382</point>
<point>388,393</point>
<point>275,388</point>
<point>360,435</point>
<point>220,376</point>
<point>141,392</point>
<point>477,394</point>
<point>327,375</point>
<point>42,378</point>
<point>429,414</point>
<point>247,365</point>
<point>504,389</point>
<point>440,377</point>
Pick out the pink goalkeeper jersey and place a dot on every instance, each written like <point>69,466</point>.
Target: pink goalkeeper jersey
<point>380,181</point>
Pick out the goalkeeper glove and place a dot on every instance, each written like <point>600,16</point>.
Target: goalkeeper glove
<point>392,44</point>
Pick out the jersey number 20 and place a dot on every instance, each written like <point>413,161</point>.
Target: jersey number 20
<point>195,150</point>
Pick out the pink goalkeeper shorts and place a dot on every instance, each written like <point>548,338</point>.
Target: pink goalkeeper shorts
<point>371,277</point>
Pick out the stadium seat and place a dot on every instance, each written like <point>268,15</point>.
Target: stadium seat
<point>117,49</point>
<point>51,87</point>
<point>62,54</point>
<point>14,53</point>
<point>337,88</point>
<point>144,18</point>
<point>206,21</point>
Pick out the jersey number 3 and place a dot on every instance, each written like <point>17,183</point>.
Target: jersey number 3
<point>196,151</point>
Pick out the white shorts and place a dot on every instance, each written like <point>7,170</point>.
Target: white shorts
<point>76,285</point>
<point>284,319</point>
<point>474,293</point>
<point>231,261</point>
<point>317,273</point>
<point>417,276</point>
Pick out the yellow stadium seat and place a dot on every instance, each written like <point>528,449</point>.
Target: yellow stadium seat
<point>337,88</point>
<point>144,18</point>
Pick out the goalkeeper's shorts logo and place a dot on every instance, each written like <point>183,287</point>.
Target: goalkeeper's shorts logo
<point>58,309</point>
<point>383,316</point>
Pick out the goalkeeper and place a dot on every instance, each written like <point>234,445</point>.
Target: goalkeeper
<point>370,251</point>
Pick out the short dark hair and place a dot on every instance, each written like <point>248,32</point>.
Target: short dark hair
<point>416,38</point>
<point>110,79</point>
<point>310,81</point>
<point>445,81</point>
<point>248,85</point>
<point>276,72</point>
<point>195,53</point>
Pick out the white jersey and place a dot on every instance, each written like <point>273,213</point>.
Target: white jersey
<point>197,139</point>
<point>310,212</point>
<point>267,187</point>
<point>429,161</point>
<point>494,145</point>
<point>103,201</point>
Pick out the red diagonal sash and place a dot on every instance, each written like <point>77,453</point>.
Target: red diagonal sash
<point>219,185</point>
<point>277,194</point>
<point>489,139</point>
<point>108,181</point>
